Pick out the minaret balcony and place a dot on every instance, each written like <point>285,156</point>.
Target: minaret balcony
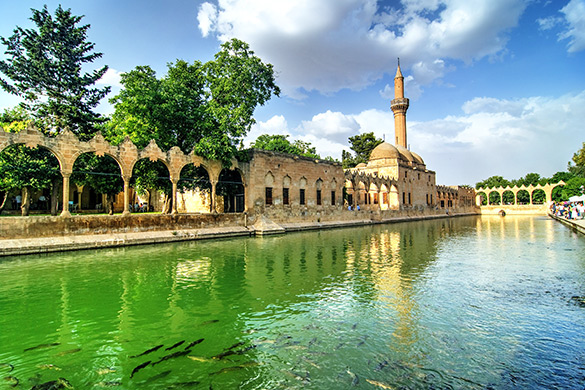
<point>399,104</point>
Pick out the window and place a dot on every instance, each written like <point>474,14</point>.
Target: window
<point>409,202</point>
<point>285,196</point>
<point>332,198</point>
<point>268,195</point>
<point>302,196</point>
<point>318,197</point>
<point>404,198</point>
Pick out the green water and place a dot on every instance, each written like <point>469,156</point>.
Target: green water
<point>465,303</point>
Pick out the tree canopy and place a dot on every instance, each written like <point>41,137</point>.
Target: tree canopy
<point>206,107</point>
<point>362,145</point>
<point>577,167</point>
<point>44,66</point>
<point>281,143</point>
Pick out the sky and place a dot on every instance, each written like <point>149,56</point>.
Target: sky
<point>496,87</point>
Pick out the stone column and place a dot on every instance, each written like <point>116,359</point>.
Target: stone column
<point>126,194</point>
<point>65,212</point>
<point>174,181</point>
<point>79,193</point>
<point>213,196</point>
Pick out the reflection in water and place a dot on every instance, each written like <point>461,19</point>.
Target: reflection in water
<point>457,303</point>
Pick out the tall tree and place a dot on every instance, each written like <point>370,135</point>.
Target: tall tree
<point>577,167</point>
<point>44,66</point>
<point>207,107</point>
<point>362,145</point>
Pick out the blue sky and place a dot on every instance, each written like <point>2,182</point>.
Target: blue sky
<point>497,87</point>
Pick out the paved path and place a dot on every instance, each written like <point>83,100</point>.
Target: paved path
<point>577,224</point>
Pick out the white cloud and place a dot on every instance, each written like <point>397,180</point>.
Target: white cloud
<point>111,77</point>
<point>493,136</point>
<point>574,13</point>
<point>329,45</point>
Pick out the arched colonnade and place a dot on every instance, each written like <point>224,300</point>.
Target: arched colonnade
<point>372,192</point>
<point>67,148</point>
<point>531,190</point>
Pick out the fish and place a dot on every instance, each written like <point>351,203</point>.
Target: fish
<point>139,367</point>
<point>235,368</point>
<point>312,363</point>
<point>42,346</point>
<point>109,384</point>
<point>172,356</point>
<point>174,345</point>
<point>58,384</point>
<point>381,365</point>
<point>208,322</point>
<point>7,365</point>
<point>379,384</point>
<point>234,346</point>
<point>13,380</point>
<point>74,350</point>
<point>354,378</point>
<point>182,385</point>
<point>199,359</point>
<point>158,376</point>
<point>49,367</point>
<point>224,354</point>
<point>194,343</point>
<point>105,370</point>
<point>313,341</point>
<point>244,350</point>
<point>339,345</point>
<point>153,349</point>
<point>297,376</point>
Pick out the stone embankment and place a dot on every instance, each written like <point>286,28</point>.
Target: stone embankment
<point>576,224</point>
<point>36,235</point>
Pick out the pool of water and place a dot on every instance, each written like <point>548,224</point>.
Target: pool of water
<point>464,303</point>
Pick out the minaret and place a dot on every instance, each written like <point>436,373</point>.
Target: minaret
<point>399,105</point>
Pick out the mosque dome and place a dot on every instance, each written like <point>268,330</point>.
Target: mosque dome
<point>384,150</point>
<point>417,158</point>
<point>405,154</point>
<point>361,165</point>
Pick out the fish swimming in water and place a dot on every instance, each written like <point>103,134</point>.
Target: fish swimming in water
<point>13,380</point>
<point>49,367</point>
<point>139,367</point>
<point>174,345</point>
<point>7,365</point>
<point>59,384</point>
<point>209,322</point>
<point>354,378</point>
<point>194,343</point>
<point>42,346</point>
<point>173,355</point>
<point>200,359</point>
<point>153,349</point>
<point>182,385</point>
<point>158,376</point>
<point>381,365</point>
<point>224,354</point>
<point>109,384</point>
<point>234,346</point>
<point>235,368</point>
<point>379,384</point>
<point>74,350</point>
<point>105,370</point>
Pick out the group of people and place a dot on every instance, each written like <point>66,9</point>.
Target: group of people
<point>568,210</point>
<point>139,207</point>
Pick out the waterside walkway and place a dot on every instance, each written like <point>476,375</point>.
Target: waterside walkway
<point>39,245</point>
<point>575,224</point>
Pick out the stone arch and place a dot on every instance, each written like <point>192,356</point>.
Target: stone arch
<point>538,196</point>
<point>557,192</point>
<point>495,198</point>
<point>373,194</point>
<point>481,198</point>
<point>286,180</point>
<point>269,179</point>
<point>194,189</point>
<point>38,157</point>
<point>159,181</point>
<point>231,187</point>
<point>91,174</point>
<point>318,192</point>
<point>394,198</point>
<point>508,197</point>
<point>522,197</point>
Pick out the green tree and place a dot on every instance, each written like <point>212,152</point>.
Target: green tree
<point>24,170</point>
<point>100,173</point>
<point>207,107</point>
<point>493,182</point>
<point>362,145</point>
<point>281,143</point>
<point>577,167</point>
<point>44,66</point>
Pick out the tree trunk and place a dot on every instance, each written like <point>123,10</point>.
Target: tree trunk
<point>25,201</point>
<point>167,205</point>
<point>4,200</point>
<point>110,199</point>
<point>56,185</point>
